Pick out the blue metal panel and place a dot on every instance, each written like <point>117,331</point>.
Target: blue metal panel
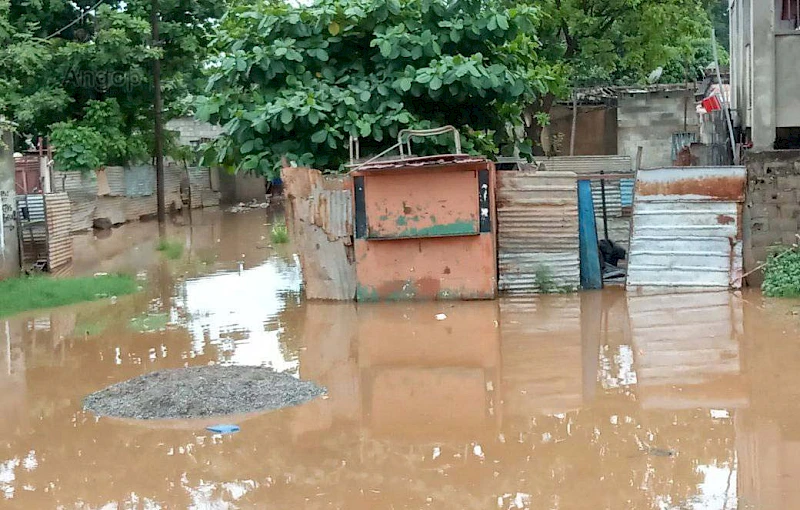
<point>591,273</point>
<point>626,192</point>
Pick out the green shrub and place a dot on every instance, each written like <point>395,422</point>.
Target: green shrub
<point>280,234</point>
<point>171,249</point>
<point>782,273</point>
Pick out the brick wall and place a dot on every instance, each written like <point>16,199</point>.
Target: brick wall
<point>649,120</point>
<point>772,207</point>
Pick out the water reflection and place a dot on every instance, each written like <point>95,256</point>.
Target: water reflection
<point>590,401</point>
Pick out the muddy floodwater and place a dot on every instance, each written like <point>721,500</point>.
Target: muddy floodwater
<point>599,400</point>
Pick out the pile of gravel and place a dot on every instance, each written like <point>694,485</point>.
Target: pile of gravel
<point>200,392</point>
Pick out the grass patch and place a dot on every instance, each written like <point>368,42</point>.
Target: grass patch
<point>34,292</point>
<point>279,234</point>
<point>782,273</point>
<point>171,249</point>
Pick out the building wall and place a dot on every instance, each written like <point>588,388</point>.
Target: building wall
<point>764,70</point>
<point>191,131</point>
<point>649,120</point>
<point>595,129</point>
<point>772,207</point>
<point>9,255</point>
<point>787,79</point>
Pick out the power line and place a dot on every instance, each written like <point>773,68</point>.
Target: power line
<point>83,14</point>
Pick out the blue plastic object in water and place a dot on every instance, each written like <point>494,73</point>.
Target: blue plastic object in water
<point>223,429</point>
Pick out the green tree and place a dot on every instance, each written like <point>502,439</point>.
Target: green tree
<point>98,68</point>
<point>297,82</point>
<point>620,42</point>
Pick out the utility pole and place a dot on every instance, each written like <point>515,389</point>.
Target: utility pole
<point>158,128</point>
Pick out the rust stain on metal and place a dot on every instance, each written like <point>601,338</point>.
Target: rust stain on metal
<point>318,216</point>
<point>724,219</point>
<point>717,188</point>
<point>425,233</point>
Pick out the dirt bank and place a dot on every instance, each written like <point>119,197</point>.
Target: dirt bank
<point>199,392</point>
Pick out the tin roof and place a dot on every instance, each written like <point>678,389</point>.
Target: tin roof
<point>418,162</point>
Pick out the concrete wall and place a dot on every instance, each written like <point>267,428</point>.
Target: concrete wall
<point>650,119</point>
<point>241,187</point>
<point>772,207</point>
<point>192,131</point>
<point>9,255</point>
<point>595,129</point>
<point>764,69</point>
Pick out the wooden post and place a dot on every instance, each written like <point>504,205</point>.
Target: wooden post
<point>574,123</point>
<point>158,128</point>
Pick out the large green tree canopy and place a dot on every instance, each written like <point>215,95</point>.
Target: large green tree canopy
<point>82,69</point>
<point>297,82</point>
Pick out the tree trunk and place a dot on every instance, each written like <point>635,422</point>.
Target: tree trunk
<point>533,131</point>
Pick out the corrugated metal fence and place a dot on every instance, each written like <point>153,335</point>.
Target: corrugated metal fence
<point>537,215</point>
<point>125,194</point>
<point>59,224</point>
<point>583,165</point>
<point>687,228</point>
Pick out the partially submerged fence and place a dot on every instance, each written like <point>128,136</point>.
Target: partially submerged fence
<point>537,215</point>
<point>687,228</point>
<point>318,215</point>
<point>122,194</point>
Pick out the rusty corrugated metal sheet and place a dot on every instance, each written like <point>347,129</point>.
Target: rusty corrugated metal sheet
<point>537,215</point>
<point>318,217</point>
<point>687,228</point>
<point>418,162</point>
<point>59,223</point>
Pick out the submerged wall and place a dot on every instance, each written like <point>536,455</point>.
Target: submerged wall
<point>318,216</point>
<point>772,208</point>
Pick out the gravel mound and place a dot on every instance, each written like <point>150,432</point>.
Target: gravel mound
<point>200,392</point>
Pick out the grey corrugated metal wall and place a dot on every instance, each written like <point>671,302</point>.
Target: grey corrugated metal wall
<point>537,214</point>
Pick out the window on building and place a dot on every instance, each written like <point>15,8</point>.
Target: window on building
<point>791,12</point>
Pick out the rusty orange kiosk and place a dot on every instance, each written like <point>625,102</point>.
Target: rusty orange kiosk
<point>425,226</point>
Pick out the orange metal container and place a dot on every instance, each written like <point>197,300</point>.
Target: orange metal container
<point>425,229</point>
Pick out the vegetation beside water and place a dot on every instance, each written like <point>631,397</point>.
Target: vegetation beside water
<point>279,234</point>
<point>782,273</point>
<point>35,292</point>
<point>171,249</point>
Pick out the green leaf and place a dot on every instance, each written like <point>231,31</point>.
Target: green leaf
<point>405,84</point>
<point>320,136</point>
<point>436,83</point>
<point>502,22</point>
<point>334,28</point>
<point>286,116</point>
<point>247,147</point>
<point>365,95</point>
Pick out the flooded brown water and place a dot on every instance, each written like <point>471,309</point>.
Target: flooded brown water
<point>588,401</point>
